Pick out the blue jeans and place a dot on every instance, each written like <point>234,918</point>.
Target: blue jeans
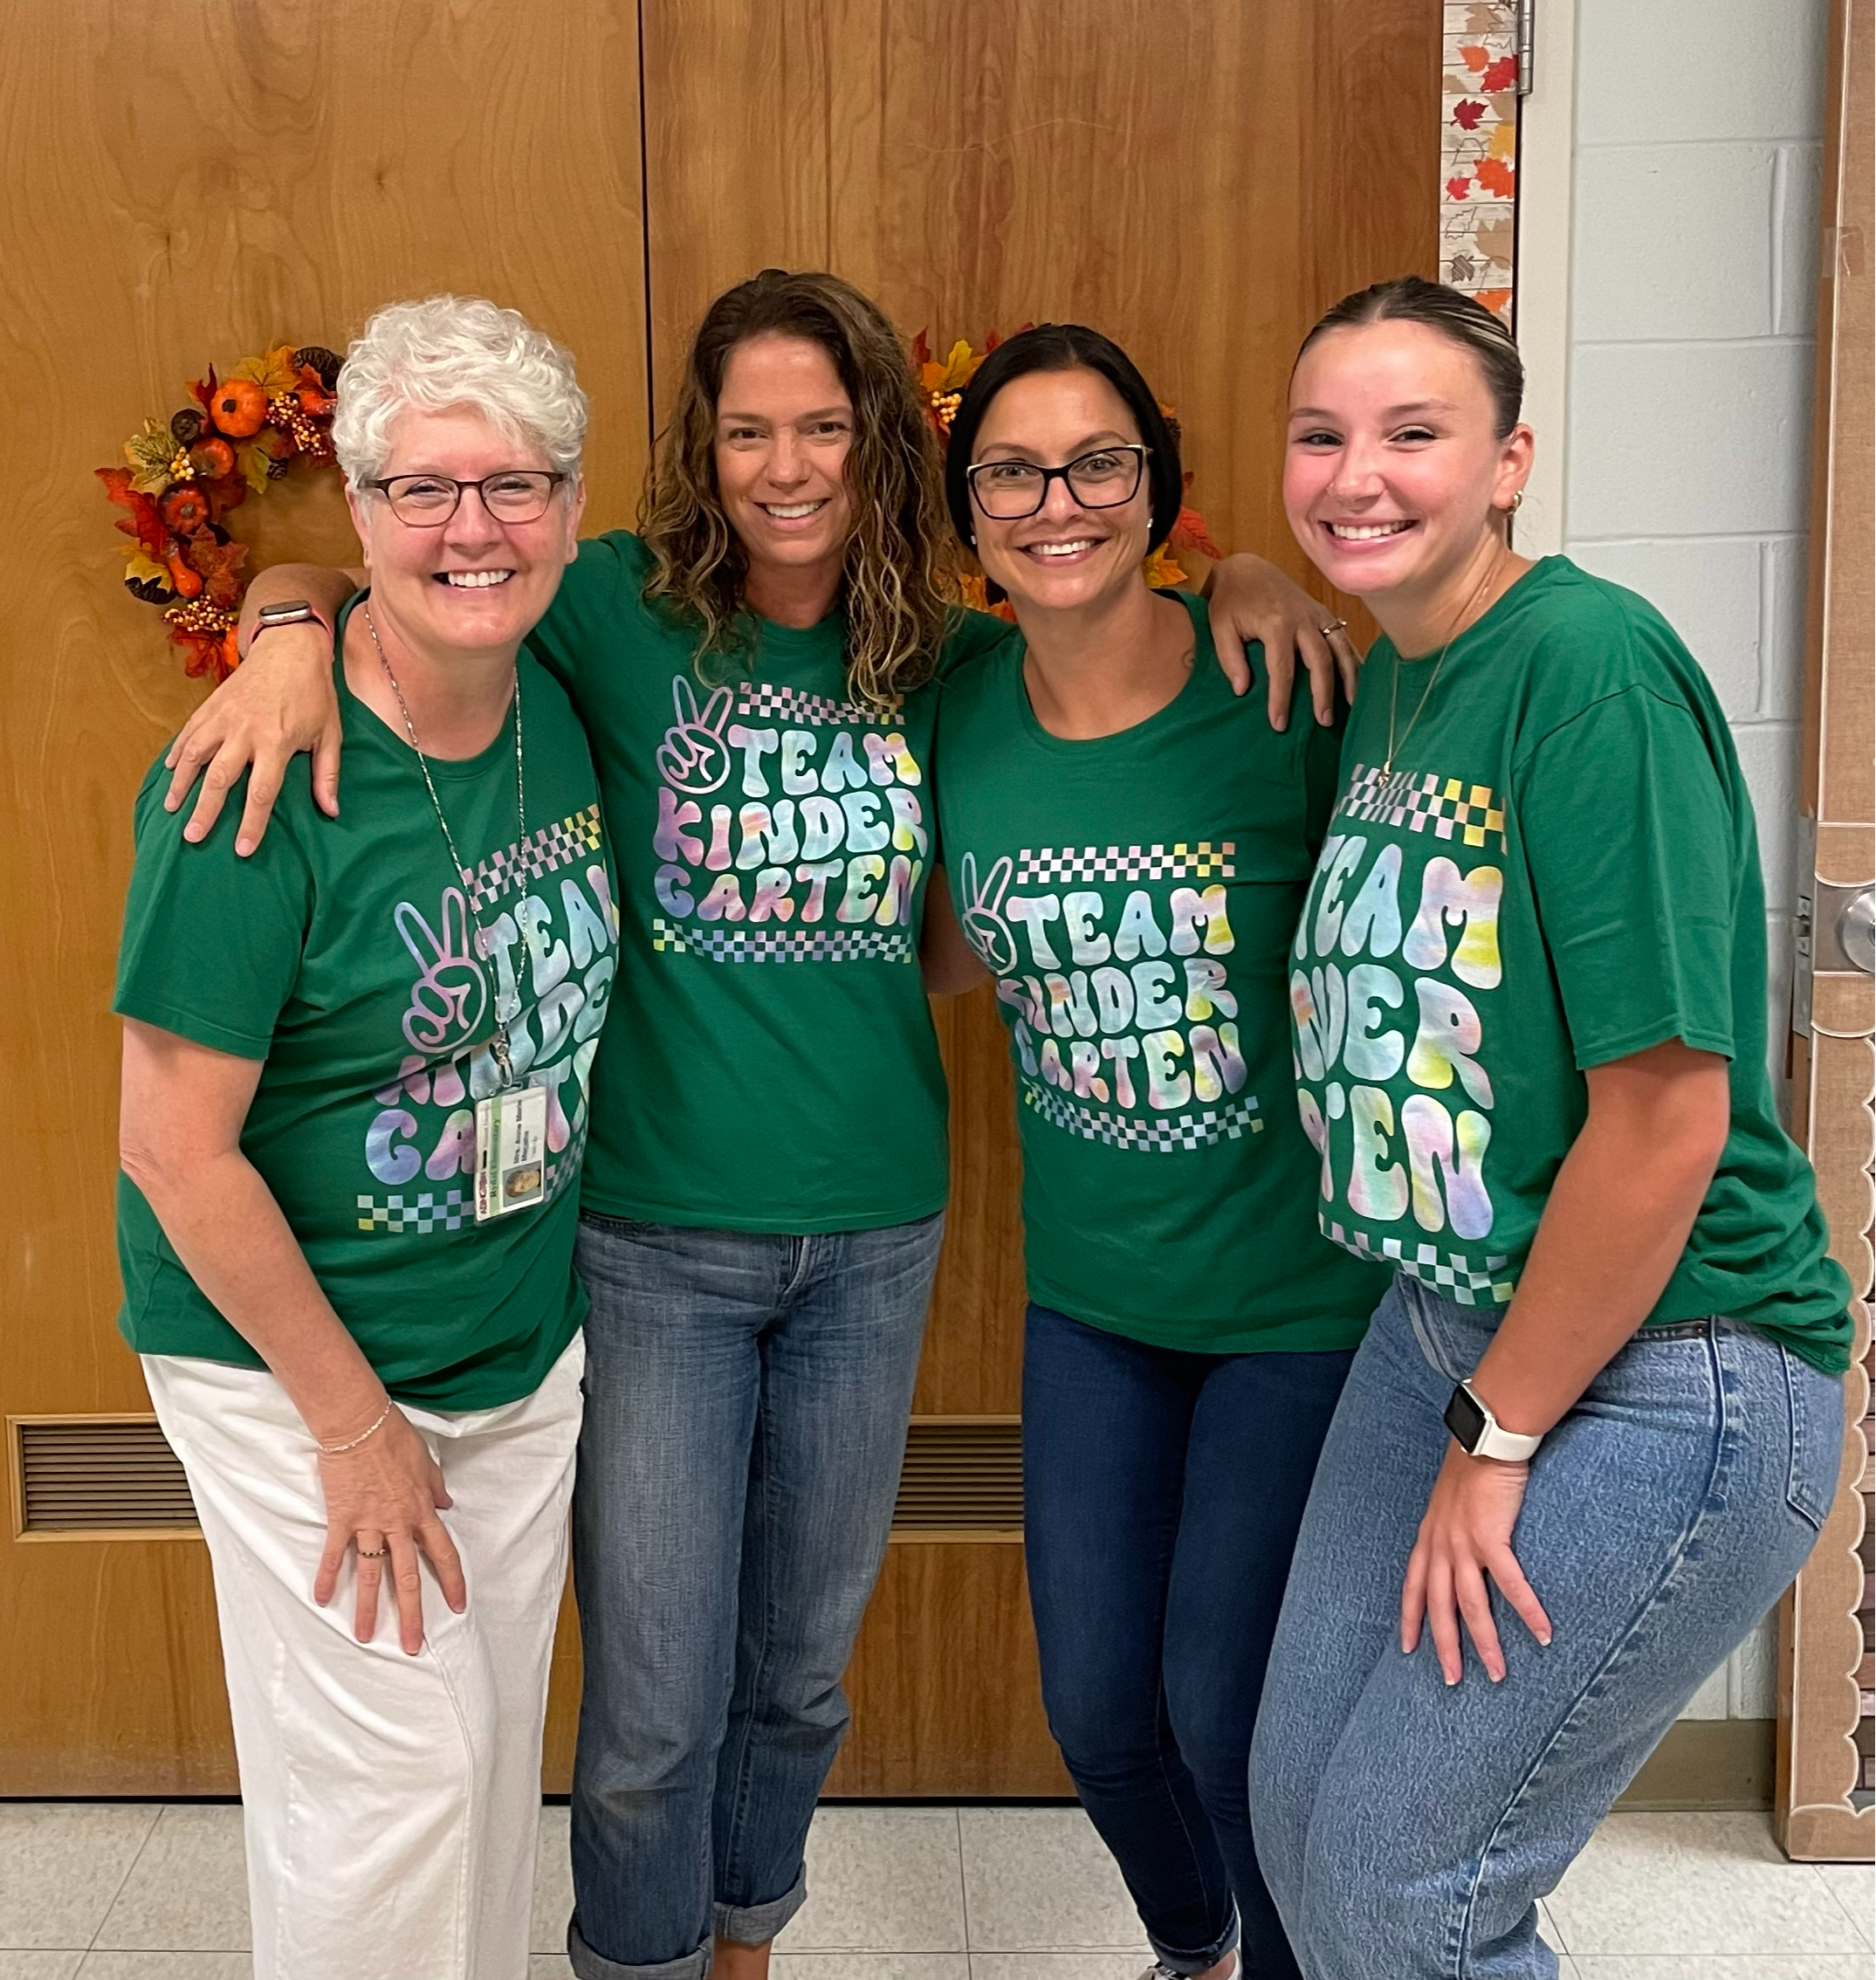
<point>1408,1829</point>
<point>746,1404</point>
<point>1161,1496</point>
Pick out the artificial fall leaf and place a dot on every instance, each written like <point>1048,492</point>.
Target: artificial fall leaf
<point>1496,176</point>
<point>1476,59</point>
<point>144,524</point>
<point>149,454</point>
<point>219,565</point>
<point>273,372</point>
<point>1496,300</point>
<point>1466,114</point>
<point>1496,239</point>
<point>1192,532</point>
<point>146,569</point>
<point>1503,142</point>
<point>314,400</point>
<point>1163,571</point>
<point>960,362</point>
<point>202,389</point>
<point>253,459</point>
<point>1502,75</point>
<point>1459,188</point>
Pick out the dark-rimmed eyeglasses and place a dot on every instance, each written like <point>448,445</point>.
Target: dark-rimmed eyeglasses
<point>427,501</point>
<point>1104,478</point>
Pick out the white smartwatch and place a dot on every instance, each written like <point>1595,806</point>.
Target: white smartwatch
<point>291,612</point>
<point>1479,1434</point>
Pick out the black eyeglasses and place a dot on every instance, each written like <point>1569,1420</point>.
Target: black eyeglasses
<point>427,501</point>
<point>1007,491</point>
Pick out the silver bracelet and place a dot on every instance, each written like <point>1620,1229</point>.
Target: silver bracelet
<point>338,1450</point>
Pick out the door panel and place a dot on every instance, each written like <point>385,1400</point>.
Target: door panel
<point>184,184</point>
<point>1199,181</point>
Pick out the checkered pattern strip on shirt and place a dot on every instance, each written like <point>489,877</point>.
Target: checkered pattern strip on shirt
<point>1160,1136</point>
<point>1462,1280</point>
<point>782,944</point>
<point>532,858</point>
<point>448,1210</point>
<point>1053,864</point>
<point>1423,801</point>
<point>790,705</point>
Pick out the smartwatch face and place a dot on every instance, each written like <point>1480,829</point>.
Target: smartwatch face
<point>1466,1420</point>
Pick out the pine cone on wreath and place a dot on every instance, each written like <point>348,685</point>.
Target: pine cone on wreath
<point>324,362</point>
<point>187,427</point>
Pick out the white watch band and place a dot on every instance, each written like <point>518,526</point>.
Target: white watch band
<point>1496,1442</point>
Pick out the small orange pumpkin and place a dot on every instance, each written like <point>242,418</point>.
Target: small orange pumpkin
<point>238,409</point>
<point>185,509</point>
<point>212,459</point>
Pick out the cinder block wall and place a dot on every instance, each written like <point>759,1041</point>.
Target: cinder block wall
<point>1694,288</point>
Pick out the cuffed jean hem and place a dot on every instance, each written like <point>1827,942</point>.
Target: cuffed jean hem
<point>756,1924</point>
<point>1196,1962</point>
<point>589,1965</point>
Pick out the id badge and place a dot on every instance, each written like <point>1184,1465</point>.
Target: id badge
<point>511,1151</point>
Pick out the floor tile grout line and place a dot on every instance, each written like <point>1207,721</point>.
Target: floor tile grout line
<point>964,1891</point>
<point>1861,1925</point>
<point>104,1916</point>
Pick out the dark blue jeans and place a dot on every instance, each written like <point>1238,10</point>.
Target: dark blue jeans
<point>1162,1494</point>
<point>746,1398</point>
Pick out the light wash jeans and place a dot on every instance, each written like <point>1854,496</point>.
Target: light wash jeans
<point>746,1403</point>
<point>1407,1830</point>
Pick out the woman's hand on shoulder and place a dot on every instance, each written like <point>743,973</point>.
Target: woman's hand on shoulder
<point>1250,599</point>
<point>381,1498</point>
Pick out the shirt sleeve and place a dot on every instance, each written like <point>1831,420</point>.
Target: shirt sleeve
<point>968,634</point>
<point>1627,831</point>
<point>587,607</point>
<point>212,943</point>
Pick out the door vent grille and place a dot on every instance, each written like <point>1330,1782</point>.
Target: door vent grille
<point>77,1474</point>
<point>962,1475</point>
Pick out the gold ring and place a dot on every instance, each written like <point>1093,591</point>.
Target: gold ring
<point>372,1553</point>
<point>1334,625</point>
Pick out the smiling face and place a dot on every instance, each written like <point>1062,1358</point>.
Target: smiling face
<point>473,584</point>
<point>1394,477</point>
<point>1066,556</point>
<point>785,426</point>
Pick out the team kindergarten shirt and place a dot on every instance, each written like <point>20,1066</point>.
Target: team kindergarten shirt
<point>343,954</point>
<point>772,1065</point>
<point>1561,871</point>
<point>1133,895</point>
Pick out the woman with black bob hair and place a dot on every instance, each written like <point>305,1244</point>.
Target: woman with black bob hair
<point>1127,846</point>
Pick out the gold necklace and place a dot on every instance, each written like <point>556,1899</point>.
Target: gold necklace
<point>1427,693</point>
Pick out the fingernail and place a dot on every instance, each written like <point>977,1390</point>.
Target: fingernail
<point>1451,1682</point>
<point>1544,1642</point>
<point>193,834</point>
<point>1497,1677</point>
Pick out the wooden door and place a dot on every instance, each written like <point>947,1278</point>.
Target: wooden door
<point>185,184</point>
<point>1200,182</point>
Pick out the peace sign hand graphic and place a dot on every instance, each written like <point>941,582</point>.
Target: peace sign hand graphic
<point>981,913</point>
<point>693,758</point>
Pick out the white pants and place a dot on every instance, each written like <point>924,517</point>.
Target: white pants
<point>390,1802</point>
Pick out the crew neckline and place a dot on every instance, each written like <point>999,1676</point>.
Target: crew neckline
<point>1046,738</point>
<point>1480,624</point>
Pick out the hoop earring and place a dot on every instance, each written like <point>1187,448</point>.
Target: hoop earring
<point>1517,503</point>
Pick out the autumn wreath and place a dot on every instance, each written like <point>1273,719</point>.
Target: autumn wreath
<point>943,382</point>
<point>186,473</point>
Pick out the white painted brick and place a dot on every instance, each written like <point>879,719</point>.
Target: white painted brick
<point>1768,754</point>
<point>1783,590</point>
<point>1699,69</point>
<point>1708,588</point>
<point>1687,439</point>
<point>1709,1702</point>
<point>1673,241</point>
<point>1752,1673</point>
<point>1795,221</point>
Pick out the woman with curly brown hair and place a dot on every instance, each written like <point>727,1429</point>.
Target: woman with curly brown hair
<point>766,1167</point>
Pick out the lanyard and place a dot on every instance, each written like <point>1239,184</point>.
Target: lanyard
<point>484,943</point>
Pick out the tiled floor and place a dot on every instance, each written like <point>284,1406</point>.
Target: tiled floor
<point>134,1892</point>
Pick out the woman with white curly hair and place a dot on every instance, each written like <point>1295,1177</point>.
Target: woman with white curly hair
<point>354,1108</point>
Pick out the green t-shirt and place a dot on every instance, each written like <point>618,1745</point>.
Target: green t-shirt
<point>342,953</point>
<point>1561,871</point>
<point>771,1064</point>
<point>1134,897</point>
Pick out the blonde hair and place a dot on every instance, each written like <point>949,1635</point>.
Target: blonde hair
<point>897,571</point>
<point>448,351</point>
